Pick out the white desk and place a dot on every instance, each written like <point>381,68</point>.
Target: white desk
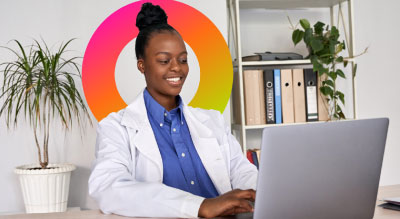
<point>380,213</point>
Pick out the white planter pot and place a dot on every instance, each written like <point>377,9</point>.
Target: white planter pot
<point>45,190</point>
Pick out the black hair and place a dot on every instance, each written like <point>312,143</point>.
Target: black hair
<point>151,19</point>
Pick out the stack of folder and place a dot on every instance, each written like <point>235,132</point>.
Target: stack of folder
<point>253,155</point>
<point>281,96</point>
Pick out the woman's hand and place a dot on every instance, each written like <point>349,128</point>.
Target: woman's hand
<point>233,202</point>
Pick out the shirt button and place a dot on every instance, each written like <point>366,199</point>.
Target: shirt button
<point>181,123</point>
<point>165,114</point>
<point>174,129</point>
<point>192,182</point>
<point>161,124</point>
<point>183,154</point>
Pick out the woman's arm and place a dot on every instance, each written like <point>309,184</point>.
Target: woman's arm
<point>113,185</point>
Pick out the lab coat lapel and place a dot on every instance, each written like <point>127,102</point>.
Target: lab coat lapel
<point>141,134</point>
<point>208,149</point>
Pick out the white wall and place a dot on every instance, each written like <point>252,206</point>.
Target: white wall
<point>57,21</point>
<point>376,26</point>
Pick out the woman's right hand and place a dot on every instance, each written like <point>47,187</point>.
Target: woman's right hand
<point>233,202</point>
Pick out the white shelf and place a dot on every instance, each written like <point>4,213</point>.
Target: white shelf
<point>274,63</point>
<point>254,127</point>
<point>285,62</point>
<point>288,4</point>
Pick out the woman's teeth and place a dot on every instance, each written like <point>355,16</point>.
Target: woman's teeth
<point>174,79</point>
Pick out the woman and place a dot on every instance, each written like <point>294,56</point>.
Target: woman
<point>159,157</point>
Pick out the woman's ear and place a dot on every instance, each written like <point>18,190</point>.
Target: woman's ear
<point>140,65</point>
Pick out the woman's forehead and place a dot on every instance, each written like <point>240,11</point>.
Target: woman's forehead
<point>165,42</point>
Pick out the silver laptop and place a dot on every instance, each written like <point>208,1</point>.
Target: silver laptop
<point>320,170</point>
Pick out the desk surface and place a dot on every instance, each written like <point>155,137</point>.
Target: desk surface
<point>380,213</point>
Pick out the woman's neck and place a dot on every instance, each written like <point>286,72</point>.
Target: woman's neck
<point>168,102</point>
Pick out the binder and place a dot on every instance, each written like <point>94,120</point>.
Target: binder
<point>323,105</point>
<point>254,97</point>
<point>269,96</point>
<point>299,96</point>
<point>236,99</point>
<point>310,80</point>
<point>261,98</point>
<point>250,156</point>
<point>277,91</point>
<point>254,155</point>
<point>287,96</point>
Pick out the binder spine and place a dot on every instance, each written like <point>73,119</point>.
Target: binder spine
<point>278,100</point>
<point>269,96</point>
<point>310,80</point>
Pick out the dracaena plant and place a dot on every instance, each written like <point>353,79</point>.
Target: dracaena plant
<point>325,55</point>
<point>39,85</point>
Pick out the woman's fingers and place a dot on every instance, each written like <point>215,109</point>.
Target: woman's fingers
<point>248,194</point>
<point>233,202</point>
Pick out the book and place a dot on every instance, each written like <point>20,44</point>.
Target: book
<point>310,86</point>
<point>271,56</point>
<point>254,97</point>
<point>250,156</point>
<point>255,159</point>
<point>277,92</point>
<point>287,96</point>
<point>299,96</point>
<point>269,96</point>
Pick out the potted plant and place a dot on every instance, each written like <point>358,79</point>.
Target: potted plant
<point>39,86</point>
<point>324,53</point>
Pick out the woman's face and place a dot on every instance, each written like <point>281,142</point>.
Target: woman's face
<point>164,65</point>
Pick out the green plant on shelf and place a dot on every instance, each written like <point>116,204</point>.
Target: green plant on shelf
<point>325,55</point>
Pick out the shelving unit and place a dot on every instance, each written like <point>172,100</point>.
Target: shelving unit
<point>234,7</point>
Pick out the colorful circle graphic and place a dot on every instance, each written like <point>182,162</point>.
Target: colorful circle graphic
<point>98,68</point>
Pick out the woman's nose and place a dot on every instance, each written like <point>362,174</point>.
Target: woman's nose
<point>175,65</point>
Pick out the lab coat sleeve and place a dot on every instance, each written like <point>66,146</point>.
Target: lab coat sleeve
<point>243,174</point>
<point>112,181</point>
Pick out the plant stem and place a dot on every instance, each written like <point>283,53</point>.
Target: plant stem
<point>37,145</point>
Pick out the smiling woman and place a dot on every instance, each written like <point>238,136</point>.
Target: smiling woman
<point>159,157</point>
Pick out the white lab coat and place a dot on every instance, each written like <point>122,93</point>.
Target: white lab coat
<point>127,174</point>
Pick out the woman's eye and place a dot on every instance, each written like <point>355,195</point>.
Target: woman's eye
<point>184,61</point>
<point>164,61</point>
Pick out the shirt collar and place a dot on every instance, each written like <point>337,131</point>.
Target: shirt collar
<point>157,111</point>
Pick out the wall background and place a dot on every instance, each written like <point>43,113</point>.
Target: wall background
<point>56,21</point>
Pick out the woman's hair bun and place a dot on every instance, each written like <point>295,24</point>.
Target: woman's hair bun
<point>150,15</point>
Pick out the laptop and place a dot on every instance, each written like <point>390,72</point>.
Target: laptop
<point>320,170</point>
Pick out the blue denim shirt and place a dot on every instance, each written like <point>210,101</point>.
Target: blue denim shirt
<point>182,165</point>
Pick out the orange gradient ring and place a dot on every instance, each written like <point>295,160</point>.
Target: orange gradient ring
<point>116,31</point>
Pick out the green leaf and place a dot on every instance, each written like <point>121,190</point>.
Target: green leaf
<point>345,62</point>
<point>334,33</point>
<point>319,28</point>
<point>297,36</point>
<point>316,45</point>
<point>339,59</point>
<point>326,91</point>
<point>305,24</point>
<point>354,70</point>
<point>308,36</point>
<point>328,82</point>
<point>340,73</point>
<point>333,75</point>
<point>340,95</point>
<point>332,46</point>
